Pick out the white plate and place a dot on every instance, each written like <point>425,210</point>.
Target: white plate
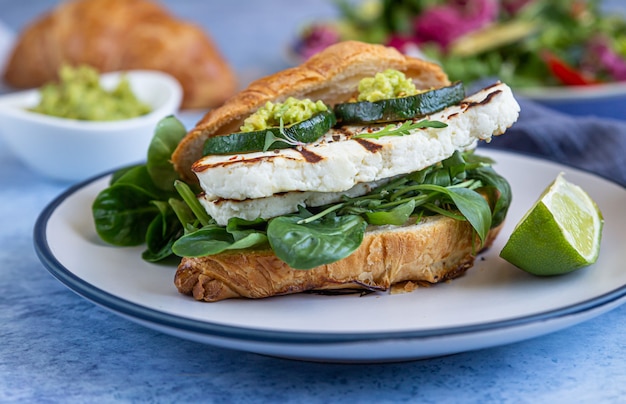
<point>493,304</point>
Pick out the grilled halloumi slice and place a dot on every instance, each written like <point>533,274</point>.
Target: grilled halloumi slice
<point>272,183</point>
<point>279,204</point>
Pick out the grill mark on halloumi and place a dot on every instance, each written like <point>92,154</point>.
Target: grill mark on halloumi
<point>308,155</point>
<point>369,146</point>
<point>487,100</point>
<point>238,159</point>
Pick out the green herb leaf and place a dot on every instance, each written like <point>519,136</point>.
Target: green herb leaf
<point>271,140</point>
<point>471,204</point>
<point>404,129</point>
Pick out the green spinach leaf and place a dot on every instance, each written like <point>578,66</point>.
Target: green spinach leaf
<point>307,245</point>
<point>213,239</point>
<point>140,204</point>
<point>502,194</point>
<point>396,216</point>
<point>475,209</point>
<point>139,177</point>
<point>164,229</point>
<point>122,214</point>
<point>168,133</point>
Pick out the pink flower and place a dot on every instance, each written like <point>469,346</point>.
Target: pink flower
<point>316,38</point>
<point>600,57</point>
<point>400,42</point>
<point>443,24</point>
<point>513,6</point>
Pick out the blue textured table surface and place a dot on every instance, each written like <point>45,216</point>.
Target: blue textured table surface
<point>57,347</point>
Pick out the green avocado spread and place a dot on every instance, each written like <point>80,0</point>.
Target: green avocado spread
<point>385,85</point>
<point>79,95</point>
<point>291,111</point>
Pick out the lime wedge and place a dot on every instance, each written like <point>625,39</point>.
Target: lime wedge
<point>559,234</point>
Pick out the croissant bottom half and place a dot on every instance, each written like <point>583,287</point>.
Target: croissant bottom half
<point>436,249</point>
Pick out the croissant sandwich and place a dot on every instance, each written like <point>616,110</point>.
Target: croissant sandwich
<point>355,171</point>
<point>375,200</point>
<point>113,35</point>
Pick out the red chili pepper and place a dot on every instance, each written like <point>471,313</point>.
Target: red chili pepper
<point>566,73</point>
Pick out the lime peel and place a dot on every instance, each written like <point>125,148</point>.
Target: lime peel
<point>559,234</point>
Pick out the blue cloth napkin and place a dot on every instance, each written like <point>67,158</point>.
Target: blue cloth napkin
<point>593,144</point>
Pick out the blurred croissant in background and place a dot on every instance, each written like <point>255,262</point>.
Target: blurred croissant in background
<point>113,35</point>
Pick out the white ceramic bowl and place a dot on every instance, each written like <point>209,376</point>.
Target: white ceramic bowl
<point>72,150</point>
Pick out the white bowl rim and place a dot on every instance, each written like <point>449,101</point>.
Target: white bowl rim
<point>175,93</point>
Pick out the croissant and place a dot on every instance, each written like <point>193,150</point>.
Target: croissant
<point>114,35</point>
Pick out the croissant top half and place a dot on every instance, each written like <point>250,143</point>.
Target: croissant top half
<point>331,75</point>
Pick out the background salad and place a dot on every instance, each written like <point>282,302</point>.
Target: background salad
<point>526,43</point>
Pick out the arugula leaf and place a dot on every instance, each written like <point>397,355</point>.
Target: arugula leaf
<point>402,130</point>
<point>271,139</point>
<point>470,203</point>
